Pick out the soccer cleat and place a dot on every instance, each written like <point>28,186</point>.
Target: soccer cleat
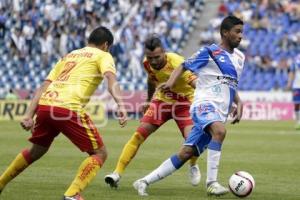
<point>141,186</point>
<point>216,189</point>
<point>195,175</point>
<point>112,179</point>
<point>76,197</point>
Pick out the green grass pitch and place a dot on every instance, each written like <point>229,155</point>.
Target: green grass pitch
<point>268,150</point>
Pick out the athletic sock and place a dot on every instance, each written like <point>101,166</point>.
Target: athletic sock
<point>86,172</point>
<point>21,162</point>
<point>129,152</point>
<point>213,160</point>
<point>165,169</point>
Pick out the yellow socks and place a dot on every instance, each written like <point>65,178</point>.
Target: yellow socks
<point>86,172</point>
<point>21,162</point>
<point>193,160</point>
<point>129,152</point>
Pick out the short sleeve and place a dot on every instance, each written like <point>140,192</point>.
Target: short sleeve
<point>56,70</point>
<point>107,64</point>
<point>188,76</point>
<point>175,59</point>
<point>197,60</point>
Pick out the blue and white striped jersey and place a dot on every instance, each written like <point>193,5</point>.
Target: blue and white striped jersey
<point>218,73</point>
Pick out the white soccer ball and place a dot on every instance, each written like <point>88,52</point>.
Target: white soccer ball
<point>241,184</point>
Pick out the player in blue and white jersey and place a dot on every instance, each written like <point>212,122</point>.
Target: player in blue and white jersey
<point>218,68</point>
<point>294,84</point>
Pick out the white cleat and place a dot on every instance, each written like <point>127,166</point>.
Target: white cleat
<point>141,186</point>
<point>195,175</point>
<point>112,179</point>
<point>216,189</point>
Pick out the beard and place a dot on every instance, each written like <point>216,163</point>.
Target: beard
<point>234,44</point>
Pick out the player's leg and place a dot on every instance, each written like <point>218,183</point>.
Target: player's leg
<point>218,132</point>
<point>21,162</point>
<point>87,171</point>
<point>165,169</point>
<point>42,137</point>
<point>131,147</point>
<point>185,123</point>
<point>195,144</point>
<point>194,170</point>
<point>129,151</point>
<point>86,137</point>
<point>156,115</point>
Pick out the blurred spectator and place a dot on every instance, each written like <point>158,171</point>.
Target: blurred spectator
<point>18,43</point>
<point>271,39</point>
<point>2,23</point>
<point>28,32</point>
<point>41,31</point>
<point>11,95</point>
<point>46,47</point>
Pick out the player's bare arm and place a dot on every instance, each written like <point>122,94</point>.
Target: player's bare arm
<point>238,111</point>
<point>27,122</point>
<point>115,91</point>
<point>193,83</point>
<point>172,79</point>
<point>150,92</point>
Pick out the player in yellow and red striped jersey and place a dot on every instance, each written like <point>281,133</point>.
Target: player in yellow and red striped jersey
<point>162,106</point>
<point>59,107</point>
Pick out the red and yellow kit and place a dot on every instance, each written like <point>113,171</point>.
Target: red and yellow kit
<point>75,78</point>
<point>173,104</point>
<point>182,90</point>
<point>61,107</point>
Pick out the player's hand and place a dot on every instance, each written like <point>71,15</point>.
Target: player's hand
<point>27,123</point>
<point>164,87</point>
<point>122,116</point>
<point>237,113</point>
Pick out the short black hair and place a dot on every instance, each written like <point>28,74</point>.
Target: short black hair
<point>229,22</point>
<point>153,42</point>
<point>101,35</point>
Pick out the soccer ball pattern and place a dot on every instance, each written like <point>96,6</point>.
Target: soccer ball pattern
<point>241,184</point>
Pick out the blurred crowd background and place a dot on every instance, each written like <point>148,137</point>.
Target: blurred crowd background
<point>35,33</point>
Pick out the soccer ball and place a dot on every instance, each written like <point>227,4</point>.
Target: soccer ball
<point>241,184</point>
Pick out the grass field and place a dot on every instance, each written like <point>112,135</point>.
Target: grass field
<point>268,150</point>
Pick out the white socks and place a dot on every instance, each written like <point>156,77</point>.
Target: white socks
<point>213,160</point>
<point>164,170</point>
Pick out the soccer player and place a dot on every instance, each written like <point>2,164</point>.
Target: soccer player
<point>294,84</point>
<point>162,107</point>
<point>218,68</point>
<point>59,107</point>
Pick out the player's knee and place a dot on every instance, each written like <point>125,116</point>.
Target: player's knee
<point>220,134</point>
<point>185,153</point>
<point>146,129</point>
<point>100,153</point>
<point>138,138</point>
<point>37,151</point>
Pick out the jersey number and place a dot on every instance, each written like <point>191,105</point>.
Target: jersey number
<point>65,74</point>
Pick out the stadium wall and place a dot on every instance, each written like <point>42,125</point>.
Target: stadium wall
<point>257,106</point>
<point>15,110</point>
